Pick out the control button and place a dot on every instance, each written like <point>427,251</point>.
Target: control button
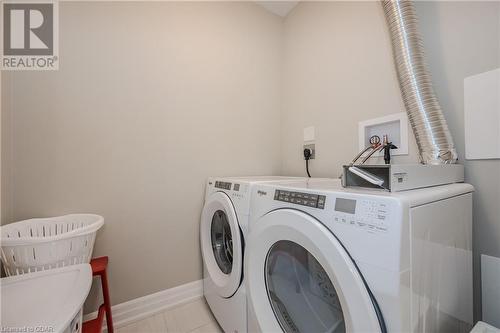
<point>361,224</point>
<point>304,199</point>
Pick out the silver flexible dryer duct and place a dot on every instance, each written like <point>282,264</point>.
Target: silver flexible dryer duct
<point>434,140</point>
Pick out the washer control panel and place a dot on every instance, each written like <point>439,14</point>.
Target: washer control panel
<point>372,215</point>
<point>223,185</point>
<point>301,198</point>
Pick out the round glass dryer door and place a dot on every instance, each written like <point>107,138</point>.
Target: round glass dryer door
<point>221,244</point>
<point>301,279</point>
<point>301,294</point>
<point>222,241</point>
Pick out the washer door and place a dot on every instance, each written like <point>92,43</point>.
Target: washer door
<point>301,279</point>
<point>221,244</point>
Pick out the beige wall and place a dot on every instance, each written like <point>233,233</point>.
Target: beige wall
<point>150,99</point>
<point>338,70</point>
<point>1,211</point>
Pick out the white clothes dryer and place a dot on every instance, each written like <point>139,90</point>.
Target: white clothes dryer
<point>321,258</point>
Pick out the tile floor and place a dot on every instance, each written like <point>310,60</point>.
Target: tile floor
<point>193,317</point>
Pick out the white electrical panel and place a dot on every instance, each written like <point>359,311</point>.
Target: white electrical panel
<point>395,126</point>
<point>482,115</point>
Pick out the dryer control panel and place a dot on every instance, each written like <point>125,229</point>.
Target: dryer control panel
<point>301,198</point>
<point>366,214</point>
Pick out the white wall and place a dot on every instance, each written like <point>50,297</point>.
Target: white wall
<point>150,99</point>
<point>463,39</point>
<point>338,70</point>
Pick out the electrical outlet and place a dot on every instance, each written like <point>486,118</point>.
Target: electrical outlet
<point>313,150</point>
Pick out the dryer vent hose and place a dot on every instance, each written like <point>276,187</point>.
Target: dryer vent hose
<point>433,137</point>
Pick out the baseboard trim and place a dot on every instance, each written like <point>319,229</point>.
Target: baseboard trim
<point>143,307</point>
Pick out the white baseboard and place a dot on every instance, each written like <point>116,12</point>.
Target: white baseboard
<point>143,307</point>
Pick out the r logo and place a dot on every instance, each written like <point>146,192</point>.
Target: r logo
<point>28,29</point>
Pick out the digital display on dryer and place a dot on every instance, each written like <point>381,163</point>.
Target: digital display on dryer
<point>345,205</point>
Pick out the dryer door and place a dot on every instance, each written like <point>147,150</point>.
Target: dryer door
<point>301,279</point>
<point>221,244</point>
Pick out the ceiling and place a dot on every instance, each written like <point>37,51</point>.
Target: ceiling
<point>281,8</point>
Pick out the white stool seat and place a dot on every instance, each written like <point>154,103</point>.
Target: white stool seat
<point>482,327</point>
<point>50,299</point>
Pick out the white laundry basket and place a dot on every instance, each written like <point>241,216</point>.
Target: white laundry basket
<point>45,243</point>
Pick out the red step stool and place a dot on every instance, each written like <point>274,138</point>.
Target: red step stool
<point>99,266</point>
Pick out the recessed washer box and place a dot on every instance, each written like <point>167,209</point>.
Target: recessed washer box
<point>394,125</point>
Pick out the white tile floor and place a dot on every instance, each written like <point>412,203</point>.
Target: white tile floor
<point>193,317</point>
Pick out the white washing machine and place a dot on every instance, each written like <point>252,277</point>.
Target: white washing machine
<point>223,229</point>
<point>321,258</point>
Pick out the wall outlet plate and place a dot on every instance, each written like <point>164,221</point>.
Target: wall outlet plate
<point>313,150</point>
<point>309,134</point>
